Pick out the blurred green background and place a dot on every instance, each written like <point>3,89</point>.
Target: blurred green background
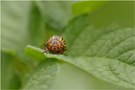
<point>33,22</point>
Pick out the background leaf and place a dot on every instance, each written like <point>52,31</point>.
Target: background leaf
<point>11,79</point>
<point>55,14</point>
<point>118,12</point>
<point>15,25</point>
<point>79,8</point>
<point>43,76</point>
<point>19,20</point>
<point>37,28</point>
<point>31,29</point>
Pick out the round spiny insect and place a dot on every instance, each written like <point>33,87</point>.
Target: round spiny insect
<point>56,45</point>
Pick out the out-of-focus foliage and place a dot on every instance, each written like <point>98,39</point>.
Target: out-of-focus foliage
<point>61,13</point>
<point>10,77</point>
<point>86,7</point>
<point>15,21</point>
<point>44,76</point>
<point>99,36</point>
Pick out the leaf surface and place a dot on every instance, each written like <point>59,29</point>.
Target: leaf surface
<point>107,54</point>
<point>43,76</point>
<point>110,48</point>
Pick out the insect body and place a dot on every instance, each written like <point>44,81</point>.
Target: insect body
<point>56,45</point>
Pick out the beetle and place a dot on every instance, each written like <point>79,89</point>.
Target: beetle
<point>55,45</point>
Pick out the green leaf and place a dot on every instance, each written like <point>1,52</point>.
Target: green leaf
<point>86,6</point>
<point>15,20</point>
<point>113,47</point>
<point>34,52</point>
<point>107,54</point>
<point>21,25</point>
<point>37,27</point>
<point>110,70</point>
<point>44,75</point>
<point>10,78</point>
<point>73,61</point>
<point>56,14</point>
